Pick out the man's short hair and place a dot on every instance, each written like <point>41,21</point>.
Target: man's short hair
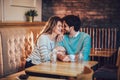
<point>73,20</point>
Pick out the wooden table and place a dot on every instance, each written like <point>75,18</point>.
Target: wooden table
<point>68,69</point>
<point>16,75</point>
<point>30,78</point>
<point>102,52</point>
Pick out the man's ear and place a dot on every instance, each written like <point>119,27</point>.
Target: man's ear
<point>72,28</point>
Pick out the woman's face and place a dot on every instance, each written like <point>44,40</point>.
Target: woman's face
<point>58,28</point>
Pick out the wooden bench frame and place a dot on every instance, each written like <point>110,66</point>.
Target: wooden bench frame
<point>103,41</point>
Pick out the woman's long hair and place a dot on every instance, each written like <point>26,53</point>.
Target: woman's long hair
<point>50,24</point>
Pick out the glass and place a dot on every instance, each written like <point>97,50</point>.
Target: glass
<point>53,57</point>
<point>80,58</point>
<point>81,61</point>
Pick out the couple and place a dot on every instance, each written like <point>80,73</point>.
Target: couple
<point>73,42</point>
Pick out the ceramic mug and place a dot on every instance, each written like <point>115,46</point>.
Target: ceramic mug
<point>72,57</point>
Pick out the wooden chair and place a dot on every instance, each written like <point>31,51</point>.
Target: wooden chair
<point>86,75</point>
<point>118,63</point>
<point>109,72</point>
<point>103,44</point>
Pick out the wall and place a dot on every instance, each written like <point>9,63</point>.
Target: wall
<point>91,12</point>
<point>16,13</point>
<point>0,10</point>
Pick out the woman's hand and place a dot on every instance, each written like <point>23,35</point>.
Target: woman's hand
<point>60,37</point>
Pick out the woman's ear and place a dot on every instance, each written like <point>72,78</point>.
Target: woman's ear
<point>53,29</point>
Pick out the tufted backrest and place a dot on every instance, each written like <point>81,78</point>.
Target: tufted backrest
<point>17,44</point>
<point>1,59</point>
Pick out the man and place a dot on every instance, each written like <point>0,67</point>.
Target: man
<point>74,42</point>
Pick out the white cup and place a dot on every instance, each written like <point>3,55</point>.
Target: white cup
<point>72,57</point>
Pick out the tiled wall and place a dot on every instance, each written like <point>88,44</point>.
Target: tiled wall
<point>91,12</point>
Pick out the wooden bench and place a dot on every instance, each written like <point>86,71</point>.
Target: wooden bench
<point>17,40</point>
<point>25,34</point>
<point>104,42</point>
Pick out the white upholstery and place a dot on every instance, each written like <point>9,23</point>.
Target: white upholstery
<point>1,59</point>
<point>17,44</point>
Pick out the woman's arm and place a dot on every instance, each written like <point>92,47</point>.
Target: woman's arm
<point>61,54</point>
<point>42,45</point>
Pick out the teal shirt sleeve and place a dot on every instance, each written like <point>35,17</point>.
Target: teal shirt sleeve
<point>86,47</point>
<point>60,43</point>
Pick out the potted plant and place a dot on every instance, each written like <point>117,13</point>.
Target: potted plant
<point>30,14</point>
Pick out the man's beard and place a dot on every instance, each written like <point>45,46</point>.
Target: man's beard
<point>67,33</point>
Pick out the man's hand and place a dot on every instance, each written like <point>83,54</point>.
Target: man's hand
<point>63,57</point>
<point>66,58</point>
<point>76,57</point>
<point>61,54</point>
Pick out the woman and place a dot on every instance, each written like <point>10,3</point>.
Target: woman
<point>46,42</point>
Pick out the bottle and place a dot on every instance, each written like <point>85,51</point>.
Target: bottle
<point>53,57</point>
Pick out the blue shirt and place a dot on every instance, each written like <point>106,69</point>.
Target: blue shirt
<point>74,45</point>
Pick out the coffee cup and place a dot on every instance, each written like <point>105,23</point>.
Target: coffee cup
<point>72,57</point>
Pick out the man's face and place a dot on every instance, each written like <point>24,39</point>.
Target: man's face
<point>66,28</point>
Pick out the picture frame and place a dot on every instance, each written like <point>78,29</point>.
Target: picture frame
<point>23,3</point>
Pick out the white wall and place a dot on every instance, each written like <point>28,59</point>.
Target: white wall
<point>16,13</point>
<point>0,10</point>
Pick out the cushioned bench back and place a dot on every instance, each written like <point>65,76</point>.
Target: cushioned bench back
<point>1,59</point>
<point>17,44</point>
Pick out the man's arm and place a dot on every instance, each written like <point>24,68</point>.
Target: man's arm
<point>86,47</point>
<point>63,57</point>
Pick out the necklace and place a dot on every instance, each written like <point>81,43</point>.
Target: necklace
<point>52,45</point>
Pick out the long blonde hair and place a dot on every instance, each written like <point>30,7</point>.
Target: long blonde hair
<point>51,23</point>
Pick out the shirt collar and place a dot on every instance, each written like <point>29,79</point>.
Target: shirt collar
<point>76,34</point>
